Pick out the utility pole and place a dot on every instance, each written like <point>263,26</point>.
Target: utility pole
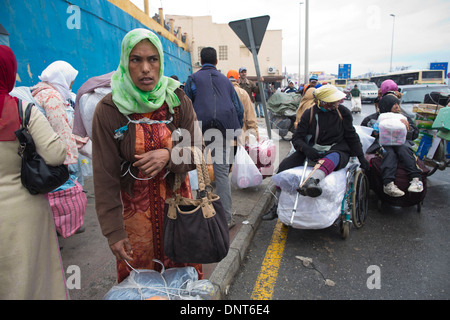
<point>300,46</point>
<point>306,40</point>
<point>392,46</point>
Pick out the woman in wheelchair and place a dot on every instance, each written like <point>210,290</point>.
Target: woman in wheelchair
<point>326,136</point>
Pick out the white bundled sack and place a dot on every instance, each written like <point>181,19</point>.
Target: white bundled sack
<point>88,103</point>
<point>392,130</point>
<point>170,284</point>
<point>245,172</point>
<point>312,213</point>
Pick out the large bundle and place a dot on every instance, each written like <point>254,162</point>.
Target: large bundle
<point>284,104</point>
<point>171,284</point>
<point>392,130</point>
<point>312,213</point>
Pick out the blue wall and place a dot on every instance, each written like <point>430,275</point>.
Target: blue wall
<point>39,34</point>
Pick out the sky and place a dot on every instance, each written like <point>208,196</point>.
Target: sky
<point>356,32</point>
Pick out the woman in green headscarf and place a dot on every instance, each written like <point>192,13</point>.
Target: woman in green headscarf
<point>132,147</point>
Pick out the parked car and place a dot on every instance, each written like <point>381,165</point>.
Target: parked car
<point>414,94</point>
<point>369,91</point>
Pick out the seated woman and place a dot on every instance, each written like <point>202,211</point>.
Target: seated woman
<point>392,154</point>
<point>334,141</point>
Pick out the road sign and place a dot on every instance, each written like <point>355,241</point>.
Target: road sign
<point>345,71</point>
<point>439,66</point>
<point>258,25</point>
<point>251,31</point>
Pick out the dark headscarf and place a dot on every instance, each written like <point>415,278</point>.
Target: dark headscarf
<point>387,102</point>
<point>9,116</point>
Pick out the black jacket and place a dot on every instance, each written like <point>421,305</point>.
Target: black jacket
<point>335,129</point>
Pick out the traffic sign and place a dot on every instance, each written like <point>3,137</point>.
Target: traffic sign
<point>345,71</point>
<point>258,25</point>
<point>439,66</point>
<point>251,31</point>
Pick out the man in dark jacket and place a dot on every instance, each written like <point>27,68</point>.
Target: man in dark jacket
<point>333,140</point>
<point>217,106</point>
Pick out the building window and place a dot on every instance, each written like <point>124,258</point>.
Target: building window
<point>223,52</point>
<point>199,53</point>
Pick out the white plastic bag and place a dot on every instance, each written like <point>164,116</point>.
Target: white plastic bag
<point>245,173</point>
<point>365,135</point>
<point>88,103</point>
<point>392,130</point>
<point>264,154</point>
<point>312,213</point>
<point>171,284</point>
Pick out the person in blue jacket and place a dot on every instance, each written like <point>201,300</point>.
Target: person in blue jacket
<point>217,106</point>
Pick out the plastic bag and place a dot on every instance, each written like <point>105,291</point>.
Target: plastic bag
<point>88,103</point>
<point>263,155</point>
<point>392,130</point>
<point>171,284</point>
<point>312,213</point>
<point>365,135</point>
<point>245,173</point>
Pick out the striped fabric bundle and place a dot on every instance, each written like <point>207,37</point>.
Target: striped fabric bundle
<point>68,207</point>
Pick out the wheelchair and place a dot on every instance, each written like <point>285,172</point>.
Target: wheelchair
<point>353,207</point>
<point>355,204</point>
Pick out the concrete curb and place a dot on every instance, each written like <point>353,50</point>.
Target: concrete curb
<point>225,270</point>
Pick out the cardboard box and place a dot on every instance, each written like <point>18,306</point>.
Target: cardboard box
<point>426,108</point>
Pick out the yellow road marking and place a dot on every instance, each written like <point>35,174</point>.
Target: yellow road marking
<point>265,284</point>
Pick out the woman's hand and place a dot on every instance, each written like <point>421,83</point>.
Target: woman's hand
<point>406,123</point>
<point>122,250</point>
<point>152,162</point>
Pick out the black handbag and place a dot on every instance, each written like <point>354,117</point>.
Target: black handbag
<point>195,230</point>
<point>36,176</point>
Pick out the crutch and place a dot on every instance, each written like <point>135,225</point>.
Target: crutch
<point>317,166</point>
<point>294,211</point>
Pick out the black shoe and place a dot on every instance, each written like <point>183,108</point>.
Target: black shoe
<point>311,188</point>
<point>271,214</point>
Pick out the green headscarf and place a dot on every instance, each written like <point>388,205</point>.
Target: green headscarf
<point>130,99</point>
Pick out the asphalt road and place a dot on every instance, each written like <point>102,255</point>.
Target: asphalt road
<point>400,254</point>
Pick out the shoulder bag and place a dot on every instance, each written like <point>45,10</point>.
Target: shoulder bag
<point>36,176</point>
<point>195,230</point>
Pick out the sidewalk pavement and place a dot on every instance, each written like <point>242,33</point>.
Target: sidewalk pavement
<point>90,251</point>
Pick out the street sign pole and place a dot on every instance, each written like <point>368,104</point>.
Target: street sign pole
<point>258,75</point>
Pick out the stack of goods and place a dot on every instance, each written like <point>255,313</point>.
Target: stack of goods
<point>392,129</point>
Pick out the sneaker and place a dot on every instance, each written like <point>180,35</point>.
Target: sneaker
<point>416,185</point>
<point>311,188</point>
<point>392,190</point>
<point>271,214</point>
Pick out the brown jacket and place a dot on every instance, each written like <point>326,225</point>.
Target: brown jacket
<point>249,86</point>
<point>109,153</point>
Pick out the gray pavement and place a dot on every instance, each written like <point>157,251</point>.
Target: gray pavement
<point>90,252</point>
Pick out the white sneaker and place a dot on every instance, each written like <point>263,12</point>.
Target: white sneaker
<point>392,190</point>
<point>416,185</point>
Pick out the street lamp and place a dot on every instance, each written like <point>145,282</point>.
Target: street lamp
<point>393,30</point>
<point>300,46</point>
<point>306,40</point>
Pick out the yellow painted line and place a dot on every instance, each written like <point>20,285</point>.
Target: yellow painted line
<point>265,284</point>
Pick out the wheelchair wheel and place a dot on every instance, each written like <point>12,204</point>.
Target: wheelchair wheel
<point>360,199</point>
